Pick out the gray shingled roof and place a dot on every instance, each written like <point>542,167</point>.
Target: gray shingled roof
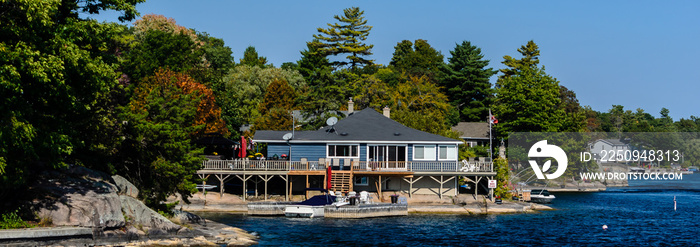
<point>472,130</point>
<point>364,126</point>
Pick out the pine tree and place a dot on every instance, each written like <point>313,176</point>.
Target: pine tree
<point>417,59</point>
<point>527,99</point>
<point>466,80</point>
<point>346,37</point>
<point>530,53</point>
<point>251,58</point>
<point>324,95</point>
<point>276,109</point>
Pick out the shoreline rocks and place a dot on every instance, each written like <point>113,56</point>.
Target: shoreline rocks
<point>109,206</point>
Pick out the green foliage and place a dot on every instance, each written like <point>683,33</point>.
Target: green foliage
<point>369,92</point>
<point>276,109</point>
<point>55,72</point>
<point>159,49</point>
<point>417,59</point>
<point>346,38</point>
<point>420,104</point>
<point>251,58</point>
<point>11,220</point>
<point>157,153</point>
<point>574,119</point>
<point>466,82</point>
<point>244,90</point>
<point>530,59</point>
<point>527,99</point>
<point>323,94</point>
<point>500,165</point>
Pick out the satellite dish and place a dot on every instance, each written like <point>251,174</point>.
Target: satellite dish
<point>287,136</point>
<point>332,121</point>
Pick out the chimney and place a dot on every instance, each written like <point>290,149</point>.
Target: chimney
<point>387,112</point>
<point>351,106</point>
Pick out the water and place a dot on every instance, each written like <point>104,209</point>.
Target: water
<point>641,214</point>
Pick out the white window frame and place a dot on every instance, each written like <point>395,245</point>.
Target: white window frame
<point>366,180</point>
<point>344,157</point>
<point>386,155</point>
<point>433,157</point>
<point>454,153</point>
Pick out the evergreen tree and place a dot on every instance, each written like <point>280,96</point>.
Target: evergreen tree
<point>530,59</point>
<point>527,99</point>
<point>157,154</point>
<point>346,37</point>
<point>323,95</point>
<point>417,59</point>
<point>276,110</point>
<point>466,80</point>
<point>251,58</point>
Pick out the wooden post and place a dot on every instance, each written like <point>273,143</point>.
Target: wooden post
<point>440,187</point>
<point>266,179</point>
<point>289,188</point>
<point>378,183</point>
<point>245,180</point>
<point>306,192</point>
<point>222,179</point>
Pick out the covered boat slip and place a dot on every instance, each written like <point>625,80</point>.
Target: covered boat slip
<point>288,177</point>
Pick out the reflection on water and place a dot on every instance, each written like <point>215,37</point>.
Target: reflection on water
<point>641,214</point>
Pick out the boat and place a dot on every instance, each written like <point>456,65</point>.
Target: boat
<point>541,196</point>
<point>312,207</point>
<point>637,170</point>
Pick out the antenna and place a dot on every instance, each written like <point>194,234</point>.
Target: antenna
<point>287,136</point>
<point>331,122</point>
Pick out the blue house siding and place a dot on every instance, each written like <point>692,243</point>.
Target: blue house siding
<point>278,149</point>
<point>310,151</point>
<point>410,152</point>
<point>363,151</point>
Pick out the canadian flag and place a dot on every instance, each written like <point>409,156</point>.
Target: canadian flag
<point>493,120</point>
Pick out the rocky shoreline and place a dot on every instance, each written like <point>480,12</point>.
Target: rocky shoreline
<point>108,206</point>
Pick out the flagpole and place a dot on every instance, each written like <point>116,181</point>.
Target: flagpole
<point>490,137</point>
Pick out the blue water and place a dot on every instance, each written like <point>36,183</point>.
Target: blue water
<point>641,214</point>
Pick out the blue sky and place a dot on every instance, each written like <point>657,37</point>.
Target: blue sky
<point>639,54</point>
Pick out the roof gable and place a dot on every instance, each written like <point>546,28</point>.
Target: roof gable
<point>473,130</point>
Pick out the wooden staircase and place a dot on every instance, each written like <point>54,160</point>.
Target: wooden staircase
<point>341,181</point>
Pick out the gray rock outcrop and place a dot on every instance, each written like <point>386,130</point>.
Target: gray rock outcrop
<point>125,187</point>
<point>82,199</point>
<point>141,215</point>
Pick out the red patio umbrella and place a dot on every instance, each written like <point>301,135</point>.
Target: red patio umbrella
<point>242,152</point>
<point>328,176</point>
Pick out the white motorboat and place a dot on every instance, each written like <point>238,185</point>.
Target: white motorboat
<point>541,196</point>
<point>311,208</point>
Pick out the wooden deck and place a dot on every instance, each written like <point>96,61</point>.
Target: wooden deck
<point>410,172</point>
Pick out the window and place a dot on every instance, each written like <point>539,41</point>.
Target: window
<point>447,153</point>
<point>390,153</point>
<point>361,181</point>
<point>423,152</point>
<point>343,150</point>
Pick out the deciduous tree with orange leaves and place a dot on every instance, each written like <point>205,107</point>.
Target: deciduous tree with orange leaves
<point>165,113</point>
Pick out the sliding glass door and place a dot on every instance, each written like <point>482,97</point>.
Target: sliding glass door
<point>386,156</point>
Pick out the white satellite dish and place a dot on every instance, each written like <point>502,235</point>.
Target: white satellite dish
<point>287,136</point>
<point>332,121</point>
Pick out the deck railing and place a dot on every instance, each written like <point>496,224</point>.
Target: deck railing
<point>378,166</point>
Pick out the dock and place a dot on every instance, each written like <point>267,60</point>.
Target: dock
<point>347,211</point>
<point>39,233</point>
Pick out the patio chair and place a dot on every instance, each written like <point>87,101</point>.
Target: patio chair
<point>365,197</point>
